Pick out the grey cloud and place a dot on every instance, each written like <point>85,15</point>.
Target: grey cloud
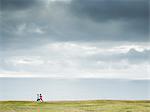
<point>61,22</point>
<point>103,10</point>
<point>75,61</point>
<point>134,15</point>
<point>138,57</point>
<point>13,33</point>
<point>132,56</point>
<point>12,5</point>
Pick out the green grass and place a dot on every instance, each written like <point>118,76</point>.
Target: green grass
<point>76,106</point>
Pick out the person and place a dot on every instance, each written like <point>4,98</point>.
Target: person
<point>38,97</point>
<point>41,98</point>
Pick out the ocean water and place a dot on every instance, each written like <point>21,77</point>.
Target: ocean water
<point>73,89</point>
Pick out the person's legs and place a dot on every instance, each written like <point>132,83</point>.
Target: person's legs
<point>41,99</point>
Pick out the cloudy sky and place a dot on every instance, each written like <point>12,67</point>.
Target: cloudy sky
<point>75,38</point>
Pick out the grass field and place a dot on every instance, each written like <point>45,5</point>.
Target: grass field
<point>76,106</point>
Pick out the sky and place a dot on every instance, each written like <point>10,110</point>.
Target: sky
<point>75,39</point>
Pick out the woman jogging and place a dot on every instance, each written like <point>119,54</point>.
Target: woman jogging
<point>41,98</point>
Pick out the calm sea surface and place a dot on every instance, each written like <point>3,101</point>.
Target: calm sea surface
<point>73,89</point>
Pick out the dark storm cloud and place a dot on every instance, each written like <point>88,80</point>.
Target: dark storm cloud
<point>17,4</point>
<point>103,10</point>
<point>133,13</point>
<point>15,13</point>
<point>78,20</point>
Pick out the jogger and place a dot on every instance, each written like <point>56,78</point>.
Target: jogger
<point>41,98</point>
<point>38,97</point>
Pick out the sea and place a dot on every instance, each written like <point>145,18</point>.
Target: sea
<point>52,89</point>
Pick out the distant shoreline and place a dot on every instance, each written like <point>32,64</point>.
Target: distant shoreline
<point>73,100</point>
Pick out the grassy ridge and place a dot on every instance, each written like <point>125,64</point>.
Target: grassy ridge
<point>76,106</point>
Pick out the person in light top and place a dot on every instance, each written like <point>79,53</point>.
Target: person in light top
<point>38,97</point>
